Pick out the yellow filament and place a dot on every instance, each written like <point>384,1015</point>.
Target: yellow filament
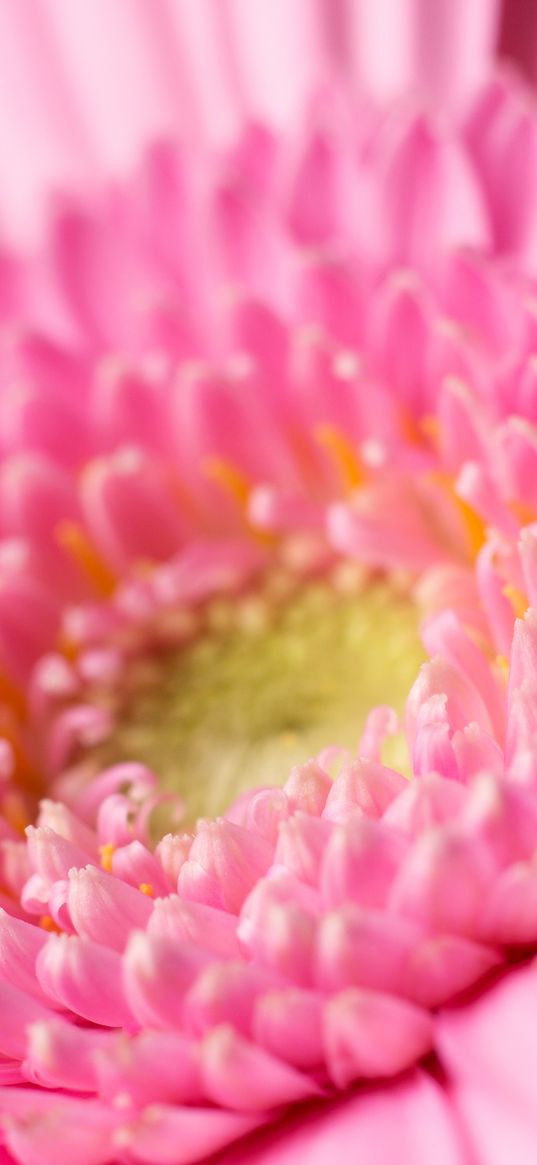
<point>343,454</point>
<point>146,888</point>
<point>75,541</point>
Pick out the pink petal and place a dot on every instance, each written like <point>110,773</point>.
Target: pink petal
<point>196,925</point>
<point>157,973</point>
<point>288,1023</point>
<point>409,1121</point>
<point>181,1136</point>
<point>365,785</point>
<point>85,978</point>
<point>104,909</point>
<point>154,1066</point>
<point>244,1077</point>
<point>371,1034</point>
<point>360,862</point>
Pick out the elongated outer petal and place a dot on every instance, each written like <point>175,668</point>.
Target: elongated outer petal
<point>85,978</point>
<point>61,1055</point>
<point>20,944</point>
<point>301,845</point>
<point>433,800</point>
<point>195,924</point>
<point>239,1075</point>
<point>288,1023</point>
<point>231,858</point>
<point>365,948</point>
<point>307,787</point>
<point>52,855</point>
<point>104,909</point>
<point>18,1010</point>
<point>371,1034</point>
<point>441,966</point>
<point>365,785</point>
<point>360,862</point>
<point>57,1134</point>
<point>165,1135</point>
<point>444,882</point>
<point>157,973</point>
<point>510,913</point>
<point>226,993</point>
<point>154,1066</point>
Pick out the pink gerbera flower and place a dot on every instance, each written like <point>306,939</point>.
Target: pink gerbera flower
<point>264,409</point>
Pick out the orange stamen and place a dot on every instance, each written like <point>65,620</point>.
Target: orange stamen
<point>15,811</point>
<point>10,694</point>
<point>47,923</point>
<point>72,538</point>
<point>343,454</point>
<point>106,853</point>
<point>523,513</point>
<point>474,526</point>
<point>229,477</point>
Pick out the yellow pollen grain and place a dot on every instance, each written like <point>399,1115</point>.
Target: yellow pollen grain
<point>517,599</point>
<point>146,888</point>
<point>72,538</point>
<point>106,853</point>
<point>343,455</point>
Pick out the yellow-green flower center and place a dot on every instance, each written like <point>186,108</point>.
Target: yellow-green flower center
<point>266,688</point>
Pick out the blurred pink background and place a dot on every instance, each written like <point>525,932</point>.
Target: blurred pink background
<point>85,83</point>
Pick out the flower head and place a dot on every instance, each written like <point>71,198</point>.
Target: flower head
<point>265,398</point>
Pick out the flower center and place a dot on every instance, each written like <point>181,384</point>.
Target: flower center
<point>266,686</point>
